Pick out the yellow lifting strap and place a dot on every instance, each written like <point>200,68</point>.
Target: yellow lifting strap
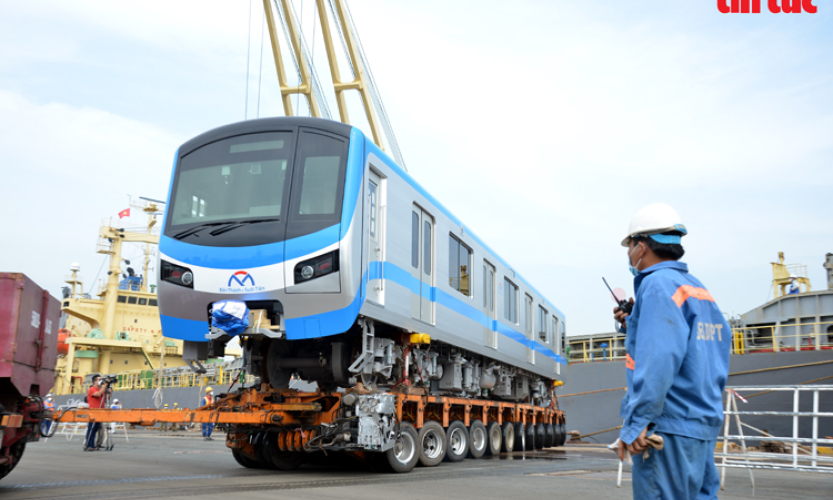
<point>420,338</point>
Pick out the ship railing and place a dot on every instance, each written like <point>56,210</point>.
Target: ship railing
<point>591,350</point>
<point>783,337</point>
<point>218,376</point>
<point>803,453</point>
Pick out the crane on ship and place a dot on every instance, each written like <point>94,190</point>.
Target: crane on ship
<point>282,13</point>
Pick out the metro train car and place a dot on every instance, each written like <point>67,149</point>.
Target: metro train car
<point>349,269</point>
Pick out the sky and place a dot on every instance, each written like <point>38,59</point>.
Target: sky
<point>543,125</point>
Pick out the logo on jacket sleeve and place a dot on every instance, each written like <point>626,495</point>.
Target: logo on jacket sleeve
<point>240,282</point>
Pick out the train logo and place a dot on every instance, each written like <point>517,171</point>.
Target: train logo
<point>240,277</point>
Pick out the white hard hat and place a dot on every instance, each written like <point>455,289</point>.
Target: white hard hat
<point>49,395</point>
<point>653,220</point>
<point>792,276</point>
<point>116,400</point>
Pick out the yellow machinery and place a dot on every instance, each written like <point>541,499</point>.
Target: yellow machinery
<point>781,276</point>
<point>308,85</point>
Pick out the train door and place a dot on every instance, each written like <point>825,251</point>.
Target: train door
<point>489,309</point>
<point>375,204</point>
<point>422,262</point>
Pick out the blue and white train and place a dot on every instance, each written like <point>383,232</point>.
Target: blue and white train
<point>345,264</point>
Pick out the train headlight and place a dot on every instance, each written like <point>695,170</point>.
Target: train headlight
<point>177,275</point>
<point>316,267</point>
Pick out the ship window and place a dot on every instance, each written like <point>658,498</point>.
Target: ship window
<point>459,263</point>
<point>152,302</point>
<point>143,302</point>
<point>510,306</point>
<point>122,299</point>
<point>131,300</point>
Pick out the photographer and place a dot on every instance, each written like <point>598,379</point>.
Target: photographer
<point>96,397</point>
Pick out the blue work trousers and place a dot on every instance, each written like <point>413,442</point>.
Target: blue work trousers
<point>92,431</point>
<point>683,470</point>
<point>206,430</point>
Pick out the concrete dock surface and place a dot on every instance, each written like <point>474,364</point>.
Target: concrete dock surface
<point>155,465</point>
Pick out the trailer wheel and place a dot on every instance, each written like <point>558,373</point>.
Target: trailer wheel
<point>540,436</point>
<point>405,452</point>
<point>15,452</point>
<point>563,428</point>
<point>277,459</point>
<point>457,437</point>
<point>529,445</point>
<point>432,444</point>
<point>508,430</point>
<point>244,460</point>
<point>549,436</point>
<point>557,436</point>
<point>478,439</point>
<point>495,439</point>
<point>520,437</point>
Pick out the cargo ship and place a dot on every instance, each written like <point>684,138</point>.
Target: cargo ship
<point>786,341</point>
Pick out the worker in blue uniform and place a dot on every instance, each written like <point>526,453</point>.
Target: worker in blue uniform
<point>677,363</point>
<point>794,287</point>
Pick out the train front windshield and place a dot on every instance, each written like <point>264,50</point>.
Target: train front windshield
<point>258,188</point>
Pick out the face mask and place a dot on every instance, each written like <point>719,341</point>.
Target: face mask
<point>634,269</point>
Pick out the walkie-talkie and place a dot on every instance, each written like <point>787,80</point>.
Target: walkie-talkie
<point>624,306</point>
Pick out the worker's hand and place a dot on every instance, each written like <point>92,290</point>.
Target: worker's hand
<point>621,450</point>
<point>639,444</point>
<point>619,315</point>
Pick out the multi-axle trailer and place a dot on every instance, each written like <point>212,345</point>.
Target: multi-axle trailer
<point>278,429</point>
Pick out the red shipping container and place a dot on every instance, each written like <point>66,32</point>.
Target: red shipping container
<point>29,323</point>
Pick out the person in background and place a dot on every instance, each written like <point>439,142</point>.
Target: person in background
<point>96,395</point>
<point>164,425</point>
<point>208,400</point>
<point>49,405</point>
<point>676,366</point>
<point>115,406</point>
<point>794,287</point>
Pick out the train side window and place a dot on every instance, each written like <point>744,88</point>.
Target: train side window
<point>542,324</point>
<point>554,329</point>
<point>426,239</point>
<point>528,315</point>
<point>510,307</point>
<point>459,264</point>
<point>415,240</point>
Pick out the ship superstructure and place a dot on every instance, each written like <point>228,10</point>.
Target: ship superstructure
<point>117,330</point>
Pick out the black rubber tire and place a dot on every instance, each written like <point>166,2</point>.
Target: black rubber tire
<point>244,460</point>
<point>540,436</point>
<point>508,435</point>
<point>432,444</point>
<point>478,439</point>
<point>277,459</point>
<point>495,435</point>
<point>563,428</point>
<point>405,452</point>
<point>520,437</point>
<point>16,451</point>
<point>261,443</point>
<point>457,440</point>
<point>556,440</point>
<point>549,436</point>
<point>529,445</point>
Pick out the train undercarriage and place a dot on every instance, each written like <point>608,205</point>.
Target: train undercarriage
<point>381,356</point>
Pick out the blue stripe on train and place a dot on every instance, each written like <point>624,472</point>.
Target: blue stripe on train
<point>396,274</point>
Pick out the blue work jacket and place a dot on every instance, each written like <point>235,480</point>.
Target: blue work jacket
<point>677,356</point>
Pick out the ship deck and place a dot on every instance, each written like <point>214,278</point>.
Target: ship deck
<point>183,465</point>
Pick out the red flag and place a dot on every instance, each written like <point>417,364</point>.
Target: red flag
<point>124,213</point>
